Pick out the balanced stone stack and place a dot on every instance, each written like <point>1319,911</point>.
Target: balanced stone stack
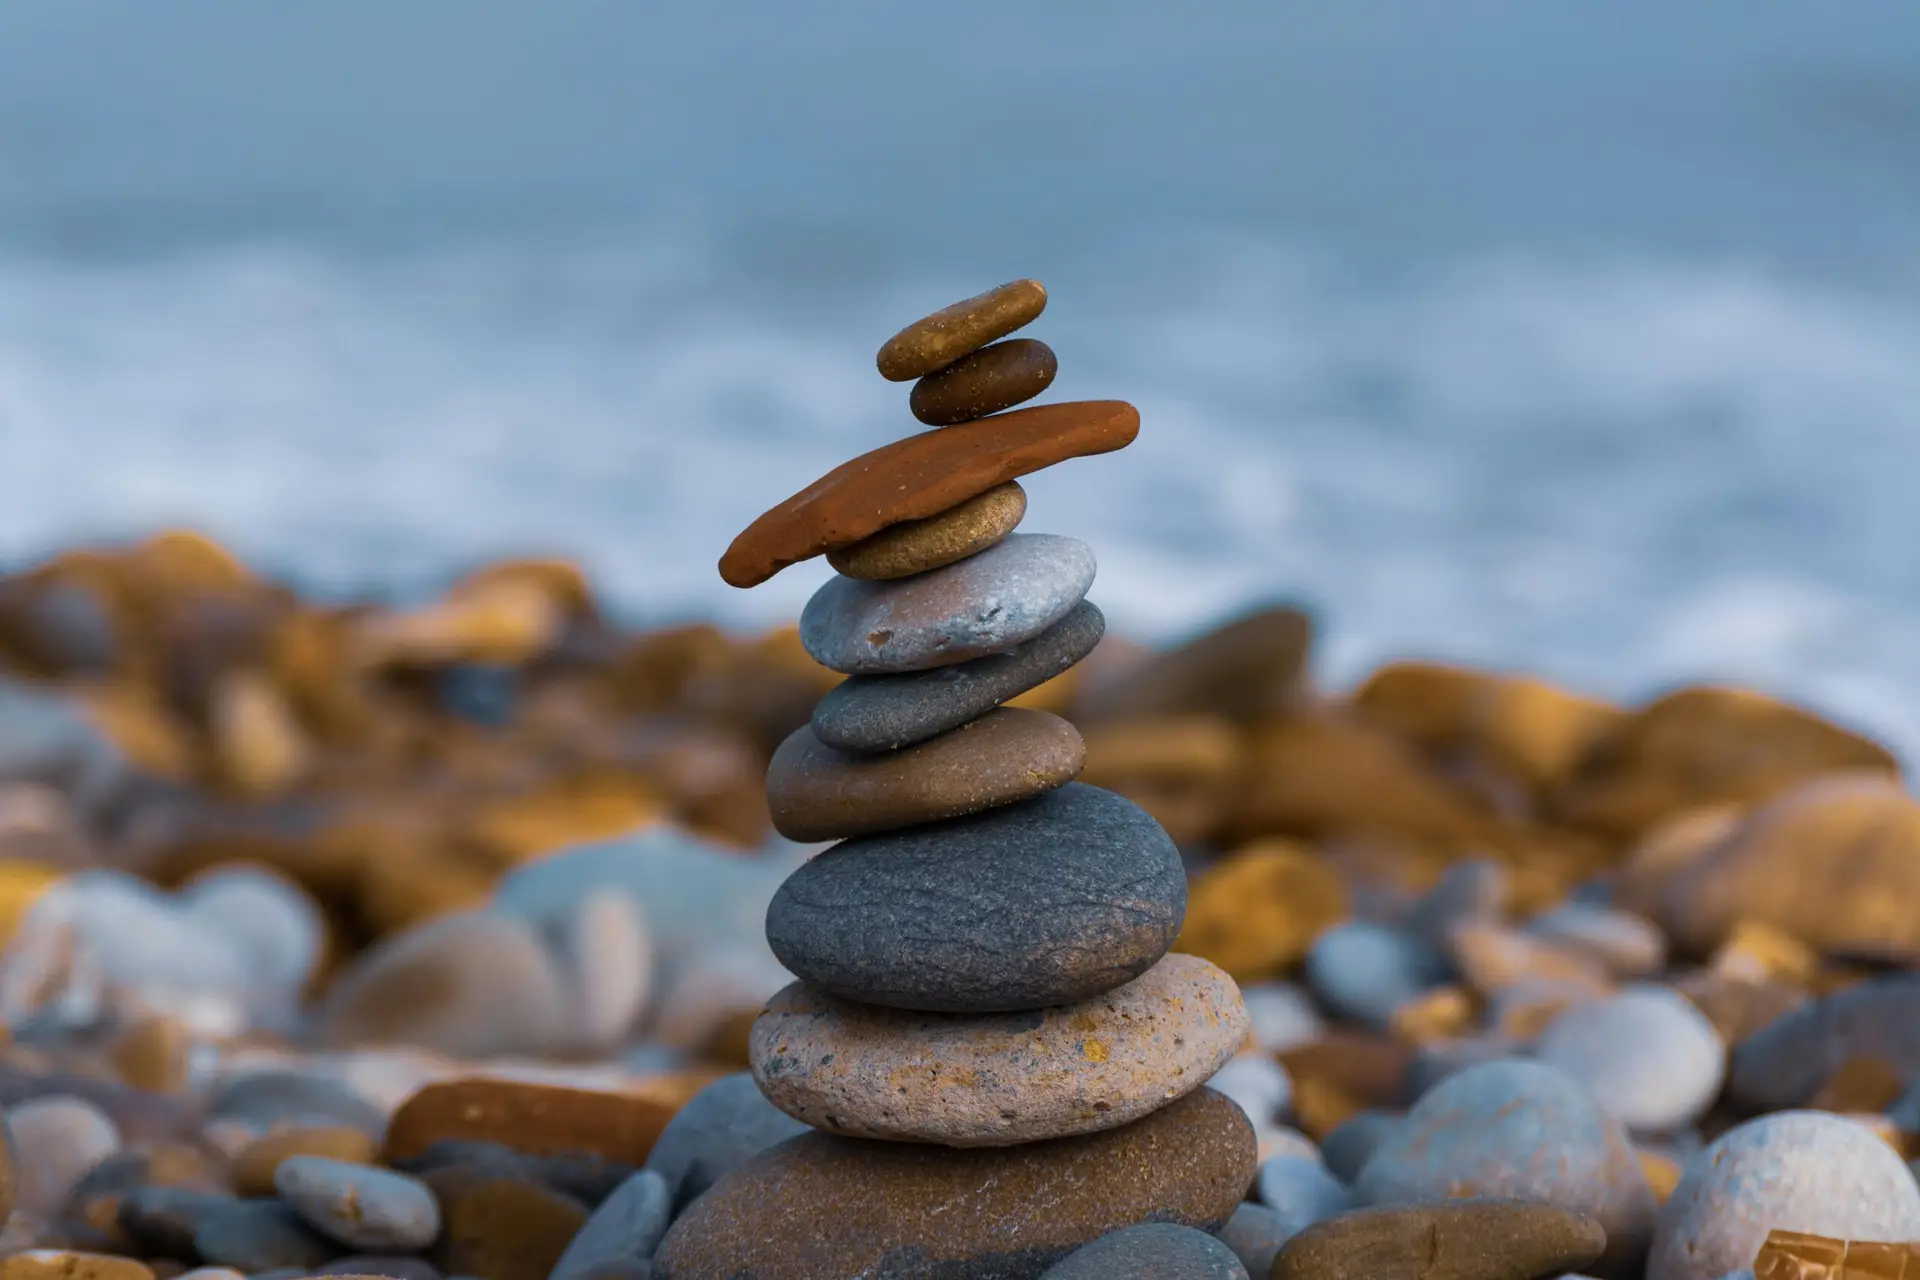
<point>1004,1058</point>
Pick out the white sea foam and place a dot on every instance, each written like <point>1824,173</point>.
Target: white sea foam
<point>1618,473</point>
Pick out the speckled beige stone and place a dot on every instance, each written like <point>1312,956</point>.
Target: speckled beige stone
<point>971,1080</point>
<point>915,546</point>
<point>936,341</point>
<point>818,793</point>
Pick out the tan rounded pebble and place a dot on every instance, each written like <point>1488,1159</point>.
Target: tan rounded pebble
<point>537,1119</point>
<point>254,1165</point>
<point>1469,1239</point>
<point>819,793</point>
<point>968,1080</point>
<point>1256,912</point>
<point>63,1264</point>
<point>915,546</point>
<point>991,379</point>
<point>501,1228</point>
<point>152,1054</point>
<point>938,340</point>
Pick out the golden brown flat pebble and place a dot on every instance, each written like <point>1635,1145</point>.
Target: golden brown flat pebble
<point>1007,755</point>
<point>915,546</point>
<point>1468,1239</point>
<point>1798,1255</point>
<point>922,476</point>
<point>991,379</point>
<point>1252,666</point>
<point>63,1264</point>
<point>537,1119</point>
<point>951,332</point>
<point>1257,911</point>
<point>501,1228</point>
<point>255,1163</point>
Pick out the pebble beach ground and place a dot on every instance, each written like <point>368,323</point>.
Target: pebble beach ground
<point>481,937</point>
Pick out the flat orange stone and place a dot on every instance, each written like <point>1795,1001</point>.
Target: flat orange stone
<point>922,476</point>
<point>537,1119</point>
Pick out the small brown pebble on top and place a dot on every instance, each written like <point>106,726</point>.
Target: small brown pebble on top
<point>951,332</point>
<point>923,476</point>
<point>991,379</point>
<point>915,546</point>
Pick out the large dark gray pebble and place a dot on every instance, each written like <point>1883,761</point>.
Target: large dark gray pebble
<point>259,1235</point>
<point>629,1225</point>
<point>1036,904</point>
<point>1152,1251</point>
<point>885,713</point>
<point>1346,1149</point>
<point>1255,1234</point>
<point>718,1130</point>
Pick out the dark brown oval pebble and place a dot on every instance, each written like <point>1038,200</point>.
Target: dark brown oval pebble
<point>1007,755</point>
<point>922,476</point>
<point>501,1228</point>
<point>935,341</point>
<point>991,379</point>
<point>1458,1240</point>
<point>821,1205</point>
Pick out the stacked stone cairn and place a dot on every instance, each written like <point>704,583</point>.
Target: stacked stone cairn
<point>988,1017</point>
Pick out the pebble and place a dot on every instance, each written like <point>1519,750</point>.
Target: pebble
<point>995,1212</point>
<point>988,603</point>
<point>501,1228</point>
<point>1364,970</point>
<point>274,923</point>
<point>1257,911</point>
<point>1255,1234</point>
<point>1251,666</point>
<point>917,546</point>
<point>922,476</point>
<point>721,1127</point>
<point>936,341</point>
<point>1630,946</point>
<point>392,1266</point>
<point>586,1178</point>
<point>627,1225</point>
<point>997,1079</point>
<point>1151,1251</point>
<point>1646,1055</point>
<point>1301,1191</point>
<point>1255,1081</point>
<point>267,1098</point>
<point>535,1119</point>
<point>71,1264</point>
<point>58,1140</point>
<point>1283,1015</point>
<point>1519,1129</point>
<point>1058,899</point>
<point>1463,1239</point>
<point>165,1220</point>
<point>1784,1063</point>
<point>367,1208</point>
<point>1278,1140</point>
<point>606,961</point>
<point>885,713</point>
<point>987,381</point>
<point>257,1235</point>
<point>817,792</point>
<point>256,1163</point>
<point>1347,1149</point>
<point>1793,1170</point>
<point>472,985</point>
<point>1475,889</point>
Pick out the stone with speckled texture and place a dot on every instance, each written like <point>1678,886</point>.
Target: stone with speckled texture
<point>986,381</point>
<point>1150,1251</point>
<point>1468,1239</point>
<point>937,340</point>
<point>823,1205</point>
<point>1521,1130</point>
<point>885,713</point>
<point>971,1080</point>
<point>1647,1055</point>
<point>917,546</point>
<point>1035,904</point>
<point>1005,596</point>
<point>1806,1171</point>
<point>816,792</point>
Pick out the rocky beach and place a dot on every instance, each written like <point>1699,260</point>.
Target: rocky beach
<point>945,932</point>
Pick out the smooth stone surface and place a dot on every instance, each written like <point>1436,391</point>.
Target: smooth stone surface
<point>718,1130</point>
<point>1347,1149</point>
<point>922,476</point>
<point>530,1117</point>
<point>971,1080</point>
<point>1630,946</point>
<point>367,1208</point>
<point>628,1225</point>
<point>885,713</point>
<point>1283,1015</point>
<point>987,381</point>
<point>1365,970</point>
<point>1524,1130</point>
<point>256,1235</point>
<point>1647,1055</point>
<point>936,341</point>
<point>57,1140</point>
<point>1255,1081</point>
<point>1301,1191</point>
<point>1805,1171</point>
<point>605,958</point>
<point>71,1264</point>
<point>817,792</point>
<point>916,546</point>
<point>1469,1239</point>
<point>1151,1251</point>
<point>267,1098</point>
<point>501,1228</point>
<point>255,1164</point>
<point>1255,1234</point>
<point>1035,904</point>
<point>589,1179</point>
<point>164,1221</point>
<point>987,603</point>
<point>823,1205</point>
<point>1785,1062</point>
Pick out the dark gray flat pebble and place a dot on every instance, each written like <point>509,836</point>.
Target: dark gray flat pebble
<point>885,713</point>
<point>163,1220</point>
<point>585,1178</point>
<point>1154,1251</point>
<point>258,1235</point>
<point>719,1129</point>
<point>1035,904</point>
